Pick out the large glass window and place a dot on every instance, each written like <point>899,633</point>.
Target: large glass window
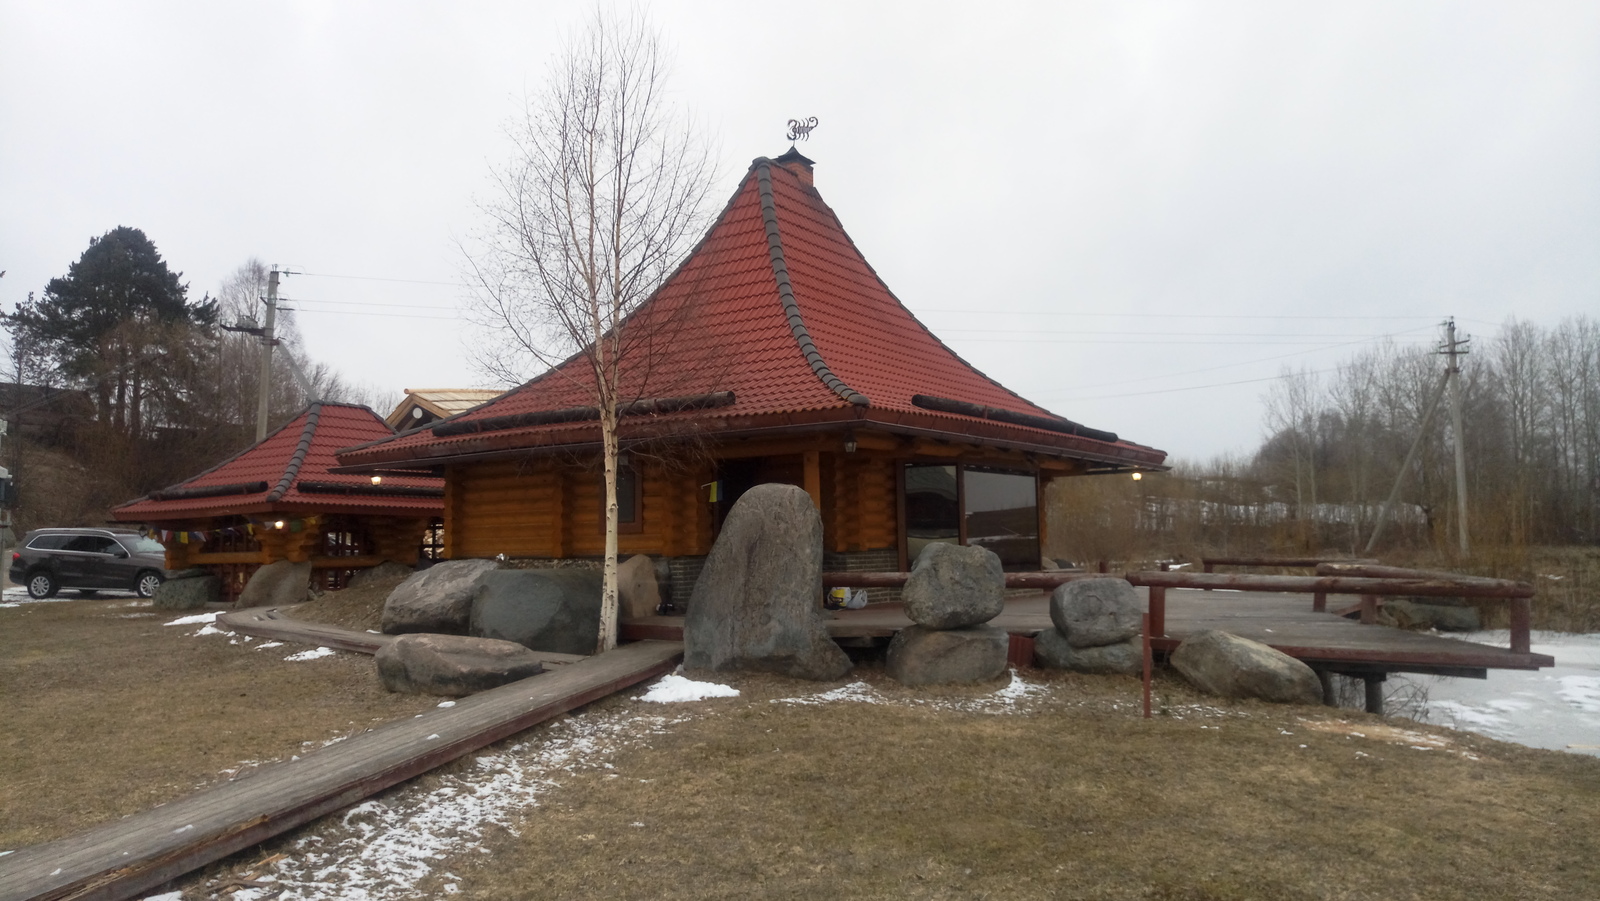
<point>933,508</point>
<point>1002,514</point>
<point>960,504</point>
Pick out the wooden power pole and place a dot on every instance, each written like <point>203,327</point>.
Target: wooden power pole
<point>267,342</point>
<point>1455,349</point>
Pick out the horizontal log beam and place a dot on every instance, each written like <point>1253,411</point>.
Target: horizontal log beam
<point>1041,580</point>
<point>1372,571</point>
<point>1334,585</point>
<point>1277,561</point>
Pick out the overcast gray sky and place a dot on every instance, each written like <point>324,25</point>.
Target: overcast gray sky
<point>1113,208</point>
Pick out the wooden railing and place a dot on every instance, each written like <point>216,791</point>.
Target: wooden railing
<point>1348,580</point>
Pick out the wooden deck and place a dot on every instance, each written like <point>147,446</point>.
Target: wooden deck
<point>1283,621</point>
<point>122,859</point>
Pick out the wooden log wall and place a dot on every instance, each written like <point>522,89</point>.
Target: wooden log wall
<point>549,508</point>
<point>858,509</point>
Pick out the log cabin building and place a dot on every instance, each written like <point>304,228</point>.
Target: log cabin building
<point>774,353</point>
<point>277,500</point>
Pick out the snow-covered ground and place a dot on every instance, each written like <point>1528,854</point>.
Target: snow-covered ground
<point>1553,708</point>
<point>16,596</point>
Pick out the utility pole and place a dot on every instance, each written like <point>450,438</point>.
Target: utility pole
<point>1455,350</point>
<point>267,342</point>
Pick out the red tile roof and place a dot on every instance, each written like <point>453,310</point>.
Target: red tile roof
<point>288,471</point>
<point>777,306</point>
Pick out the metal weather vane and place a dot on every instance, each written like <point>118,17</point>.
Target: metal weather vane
<point>800,129</point>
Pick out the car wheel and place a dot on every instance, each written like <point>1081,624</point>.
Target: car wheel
<point>42,585</point>
<point>147,583</point>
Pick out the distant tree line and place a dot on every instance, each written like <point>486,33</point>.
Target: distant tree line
<point>172,391</point>
<point>1335,443</point>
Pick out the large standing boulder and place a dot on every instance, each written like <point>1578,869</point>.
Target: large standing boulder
<point>542,609</point>
<point>278,584</point>
<point>758,602</point>
<point>1052,649</point>
<point>1225,664</point>
<point>919,655</point>
<point>638,592</point>
<point>196,589</point>
<point>437,599</point>
<point>1096,612</point>
<point>452,665</point>
<point>386,571</point>
<point>951,587</point>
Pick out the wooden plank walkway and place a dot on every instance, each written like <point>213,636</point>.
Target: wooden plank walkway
<point>121,859</point>
<point>1285,622</point>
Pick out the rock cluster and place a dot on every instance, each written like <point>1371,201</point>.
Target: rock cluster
<point>187,589</point>
<point>1222,663</point>
<point>437,599</point>
<point>951,595</point>
<point>278,584</point>
<point>1097,628</point>
<point>757,603</point>
<point>453,665</point>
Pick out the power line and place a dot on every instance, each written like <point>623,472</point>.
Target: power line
<point>1170,315</point>
<point>375,278</point>
<point>1270,378</point>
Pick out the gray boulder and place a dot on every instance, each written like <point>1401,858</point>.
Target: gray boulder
<point>279,584</point>
<point>1052,649</point>
<point>437,599</point>
<point>919,655</point>
<point>1408,614</point>
<point>387,571</point>
<point>1096,612</point>
<point>1225,664</point>
<point>452,665</point>
<point>758,602</point>
<point>952,587</point>
<point>638,592</point>
<point>543,609</point>
<point>188,593</point>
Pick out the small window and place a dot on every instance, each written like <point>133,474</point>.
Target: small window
<point>49,542</point>
<point>91,544</point>
<point>630,500</point>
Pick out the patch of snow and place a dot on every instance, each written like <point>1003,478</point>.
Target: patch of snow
<point>310,655</point>
<point>859,692</point>
<point>193,620</point>
<point>207,629</point>
<point>670,689</point>
<point>380,849</point>
<point>1018,689</point>
<point>1582,692</point>
<point>269,644</point>
<point>165,896</point>
<point>447,703</point>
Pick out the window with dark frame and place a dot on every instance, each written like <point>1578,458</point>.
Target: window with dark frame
<point>630,500</point>
<point>983,506</point>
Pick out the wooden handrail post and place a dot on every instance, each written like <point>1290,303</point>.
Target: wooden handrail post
<point>1210,568</point>
<point>1521,622</point>
<point>1319,602</point>
<point>1148,666</point>
<point>1369,609</point>
<point>1156,624</point>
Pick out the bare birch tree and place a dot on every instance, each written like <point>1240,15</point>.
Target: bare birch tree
<point>604,194</point>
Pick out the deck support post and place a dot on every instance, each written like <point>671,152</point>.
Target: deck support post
<point>1158,613</point>
<point>1369,609</point>
<point>1329,698</point>
<point>1521,622</point>
<point>1375,692</point>
<point>1319,602</point>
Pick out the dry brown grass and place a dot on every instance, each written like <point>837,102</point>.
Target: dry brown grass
<point>351,608</point>
<point>1078,799</point>
<point>107,712</point>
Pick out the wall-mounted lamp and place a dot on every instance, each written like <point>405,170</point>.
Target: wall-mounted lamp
<point>849,444</point>
<point>278,524</point>
<point>623,460</point>
<point>377,480</point>
<point>1137,476</point>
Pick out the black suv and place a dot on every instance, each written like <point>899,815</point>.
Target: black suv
<point>88,560</point>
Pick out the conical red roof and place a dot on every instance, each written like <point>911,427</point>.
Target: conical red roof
<point>774,320</point>
<point>289,471</point>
